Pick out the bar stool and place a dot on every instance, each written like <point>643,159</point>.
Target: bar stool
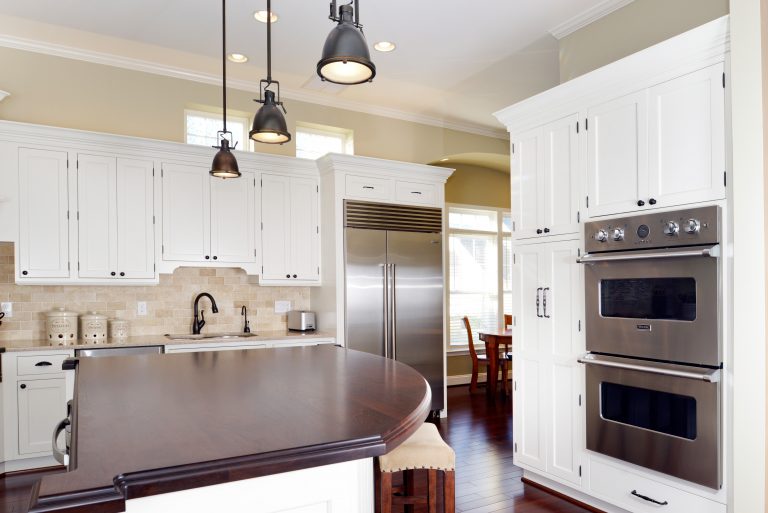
<point>424,450</point>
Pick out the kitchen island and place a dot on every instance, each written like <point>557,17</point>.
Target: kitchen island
<point>273,430</point>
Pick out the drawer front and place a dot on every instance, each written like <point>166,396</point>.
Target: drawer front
<point>368,187</point>
<point>422,193</point>
<point>615,485</point>
<point>40,364</point>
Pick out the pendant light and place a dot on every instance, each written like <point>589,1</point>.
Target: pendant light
<point>224,163</point>
<point>346,59</point>
<point>269,124</point>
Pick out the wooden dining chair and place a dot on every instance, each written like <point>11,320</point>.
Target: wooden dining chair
<point>507,320</point>
<point>477,358</point>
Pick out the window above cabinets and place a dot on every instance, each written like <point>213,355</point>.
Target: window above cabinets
<point>314,141</point>
<point>202,128</point>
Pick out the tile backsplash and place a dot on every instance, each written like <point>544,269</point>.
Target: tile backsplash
<point>169,304</point>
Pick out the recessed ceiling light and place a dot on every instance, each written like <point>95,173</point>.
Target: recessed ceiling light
<point>384,46</point>
<point>237,57</point>
<point>262,16</point>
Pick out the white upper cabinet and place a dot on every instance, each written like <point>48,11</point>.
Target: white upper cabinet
<point>115,218</point>
<point>233,222</point>
<point>617,149</point>
<point>687,145</point>
<point>545,192</point>
<point>186,213</point>
<point>43,246</point>
<point>290,230</point>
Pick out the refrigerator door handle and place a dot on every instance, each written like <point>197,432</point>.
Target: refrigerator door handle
<point>385,272</point>
<point>393,326</point>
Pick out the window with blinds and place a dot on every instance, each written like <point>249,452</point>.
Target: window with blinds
<point>478,276</point>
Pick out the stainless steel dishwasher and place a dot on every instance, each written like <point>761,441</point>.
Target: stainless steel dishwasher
<point>117,351</point>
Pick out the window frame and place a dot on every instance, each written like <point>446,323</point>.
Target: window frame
<point>347,136</point>
<point>246,142</point>
<point>458,349</point>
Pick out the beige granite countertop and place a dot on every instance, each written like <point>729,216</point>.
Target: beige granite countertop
<point>160,340</point>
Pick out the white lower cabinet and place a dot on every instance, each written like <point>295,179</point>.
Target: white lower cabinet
<point>41,405</point>
<point>548,381</point>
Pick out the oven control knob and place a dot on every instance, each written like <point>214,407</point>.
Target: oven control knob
<point>601,236</point>
<point>692,226</point>
<point>671,228</point>
<point>617,234</point>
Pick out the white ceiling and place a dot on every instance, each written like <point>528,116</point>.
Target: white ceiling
<point>455,61</point>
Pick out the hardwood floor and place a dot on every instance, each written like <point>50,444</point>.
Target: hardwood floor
<point>479,430</point>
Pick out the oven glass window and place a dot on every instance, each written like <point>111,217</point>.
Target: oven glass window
<point>671,414</point>
<point>649,298</point>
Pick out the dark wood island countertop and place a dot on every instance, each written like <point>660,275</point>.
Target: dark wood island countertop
<point>151,424</point>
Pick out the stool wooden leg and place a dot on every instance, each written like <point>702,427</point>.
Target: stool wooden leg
<point>449,492</point>
<point>432,491</point>
<point>385,492</point>
<point>408,489</point>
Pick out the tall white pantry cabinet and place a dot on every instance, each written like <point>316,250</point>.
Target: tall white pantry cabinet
<point>646,132</point>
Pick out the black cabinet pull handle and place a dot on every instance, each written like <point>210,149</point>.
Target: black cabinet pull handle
<point>415,192</point>
<point>24,273</point>
<point>207,257</point>
<point>215,258</point>
<point>113,273</point>
<point>538,230</point>
<point>641,203</point>
<point>546,230</point>
<point>646,498</point>
<point>368,187</point>
<point>43,364</point>
<point>23,386</point>
<point>652,201</point>
<point>122,274</point>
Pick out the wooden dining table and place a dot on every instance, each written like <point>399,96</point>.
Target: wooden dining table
<point>494,340</point>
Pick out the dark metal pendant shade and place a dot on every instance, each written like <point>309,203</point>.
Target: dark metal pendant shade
<point>225,163</point>
<point>269,124</point>
<point>346,59</point>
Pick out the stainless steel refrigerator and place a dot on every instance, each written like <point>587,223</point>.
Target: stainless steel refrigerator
<point>394,286</point>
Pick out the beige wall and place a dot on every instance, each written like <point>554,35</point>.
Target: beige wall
<point>475,185</point>
<point>75,94</point>
<point>639,25</point>
<point>169,304</point>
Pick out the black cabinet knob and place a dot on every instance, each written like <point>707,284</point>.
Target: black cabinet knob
<point>215,258</point>
<point>23,386</point>
<point>652,201</point>
<point>641,203</point>
<point>24,273</point>
<point>538,231</point>
<point>295,276</point>
<point>113,273</point>
<point>122,274</point>
<point>287,275</point>
<point>207,257</point>
<point>546,230</point>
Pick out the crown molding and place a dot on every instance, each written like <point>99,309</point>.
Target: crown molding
<point>589,16</point>
<point>3,95</point>
<point>119,61</point>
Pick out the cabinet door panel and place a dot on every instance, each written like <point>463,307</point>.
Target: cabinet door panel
<point>186,213</point>
<point>563,452</point>
<point>525,296</point>
<point>559,275</point>
<point>687,138</point>
<point>529,428</point>
<point>232,218</point>
<point>96,216</point>
<point>527,206</point>
<point>135,219</point>
<point>43,207</point>
<point>304,229</point>
<point>275,233</point>
<point>617,154</point>
<point>559,174</point>
<point>42,404</point>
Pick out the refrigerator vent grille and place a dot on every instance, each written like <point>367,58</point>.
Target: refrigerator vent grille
<point>380,216</point>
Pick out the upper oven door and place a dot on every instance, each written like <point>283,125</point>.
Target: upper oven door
<point>660,304</point>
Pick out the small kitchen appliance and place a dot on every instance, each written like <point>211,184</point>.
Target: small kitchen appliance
<point>299,320</point>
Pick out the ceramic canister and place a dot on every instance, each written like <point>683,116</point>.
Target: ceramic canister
<point>61,327</point>
<point>118,330</point>
<point>93,328</point>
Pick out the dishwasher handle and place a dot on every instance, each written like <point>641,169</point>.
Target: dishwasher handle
<point>59,455</point>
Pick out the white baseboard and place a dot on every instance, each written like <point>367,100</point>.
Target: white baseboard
<point>464,379</point>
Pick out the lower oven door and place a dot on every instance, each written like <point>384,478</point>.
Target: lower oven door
<point>659,416</point>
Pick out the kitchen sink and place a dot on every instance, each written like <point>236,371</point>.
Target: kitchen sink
<point>205,336</point>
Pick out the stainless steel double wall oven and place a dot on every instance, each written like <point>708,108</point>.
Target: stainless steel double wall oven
<point>653,329</point>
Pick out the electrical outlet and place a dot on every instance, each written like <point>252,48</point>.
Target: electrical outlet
<point>282,306</point>
<point>7,309</point>
<point>141,308</point>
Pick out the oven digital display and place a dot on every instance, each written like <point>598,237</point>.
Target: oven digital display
<point>663,412</point>
<point>649,298</point>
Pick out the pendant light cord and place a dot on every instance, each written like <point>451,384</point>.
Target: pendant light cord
<point>269,42</point>
<point>224,59</point>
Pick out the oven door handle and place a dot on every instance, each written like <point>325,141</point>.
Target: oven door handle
<point>708,251</point>
<point>708,375</point>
